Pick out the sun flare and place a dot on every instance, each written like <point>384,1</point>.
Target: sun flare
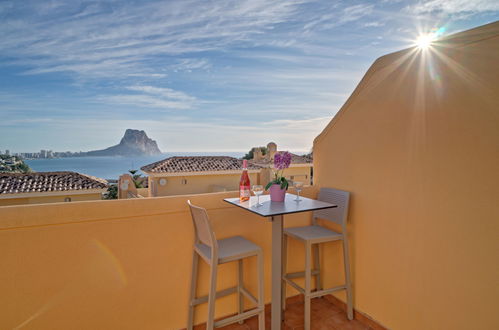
<point>424,40</point>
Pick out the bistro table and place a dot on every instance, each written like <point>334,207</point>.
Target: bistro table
<point>276,211</point>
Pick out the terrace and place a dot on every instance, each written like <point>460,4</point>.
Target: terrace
<point>419,156</point>
<point>87,261</point>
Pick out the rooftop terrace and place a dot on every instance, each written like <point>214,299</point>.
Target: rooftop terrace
<point>419,156</point>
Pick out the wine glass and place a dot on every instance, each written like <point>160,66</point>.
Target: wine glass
<point>257,190</point>
<point>297,185</point>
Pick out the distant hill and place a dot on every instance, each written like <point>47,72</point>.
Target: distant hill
<point>133,143</point>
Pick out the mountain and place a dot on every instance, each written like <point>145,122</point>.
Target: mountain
<point>133,143</point>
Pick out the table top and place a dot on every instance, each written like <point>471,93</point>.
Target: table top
<point>269,208</point>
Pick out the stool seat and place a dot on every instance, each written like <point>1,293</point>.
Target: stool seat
<point>313,234</point>
<point>230,249</point>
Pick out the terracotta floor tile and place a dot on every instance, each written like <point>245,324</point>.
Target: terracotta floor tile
<point>237,326</point>
<point>325,316</point>
<point>340,321</point>
<point>200,327</point>
<point>301,327</point>
<point>252,323</point>
<point>293,319</point>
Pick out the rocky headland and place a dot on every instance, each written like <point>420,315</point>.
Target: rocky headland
<point>134,143</point>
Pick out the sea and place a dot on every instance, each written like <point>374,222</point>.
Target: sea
<point>110,168</point>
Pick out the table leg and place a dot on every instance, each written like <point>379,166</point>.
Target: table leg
<point>276,272</point>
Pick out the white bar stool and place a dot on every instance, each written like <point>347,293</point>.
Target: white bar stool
<point>216,252</point>
<point>311,236</point>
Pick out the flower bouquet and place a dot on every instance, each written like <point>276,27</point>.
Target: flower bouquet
<point>279,184</point>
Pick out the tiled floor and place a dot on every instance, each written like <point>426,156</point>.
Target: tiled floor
<point>325,315</point>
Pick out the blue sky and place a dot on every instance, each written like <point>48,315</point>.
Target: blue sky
<point>197,75</point>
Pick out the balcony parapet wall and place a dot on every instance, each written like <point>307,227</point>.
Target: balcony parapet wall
<point>121,264</point>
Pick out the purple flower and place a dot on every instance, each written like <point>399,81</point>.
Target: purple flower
<point>282,160</point>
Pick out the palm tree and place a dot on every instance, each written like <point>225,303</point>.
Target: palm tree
<point>137,178</point>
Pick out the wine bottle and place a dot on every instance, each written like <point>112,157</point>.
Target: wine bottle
<point>244,184</point>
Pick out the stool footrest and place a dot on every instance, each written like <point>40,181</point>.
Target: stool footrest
<point>238,317</point>
<point>327,291</point>
<point>249,295</point>
<point>301,274</point>
<point>313,294</point>
<point>294,285</point>
<point>219,294</point>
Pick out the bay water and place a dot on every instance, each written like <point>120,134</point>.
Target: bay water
<point>107,167</point>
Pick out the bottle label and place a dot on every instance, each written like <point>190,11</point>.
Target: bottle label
<point>244,192</point>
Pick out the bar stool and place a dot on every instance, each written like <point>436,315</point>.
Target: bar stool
<point>215,252</point>
<point>312,236</point>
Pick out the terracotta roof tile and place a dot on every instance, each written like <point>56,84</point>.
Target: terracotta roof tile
<point>16,183</point>
<point>197,164</point>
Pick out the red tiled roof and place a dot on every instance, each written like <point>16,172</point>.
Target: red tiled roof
<point>16,183</point>
<point>197,164</point>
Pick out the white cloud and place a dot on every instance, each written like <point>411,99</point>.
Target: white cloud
<point>167,93</point>
<point>11,122</point>
<point>148,75</point>
<point>356,12</point>
<point>152,97</point>
<point>374,24</point>
<point>309,124</point>
<point>102,40</point>
<point>336,16</point>
<point>144,101</point>
<point>189,64</point>
<point>453,6</point>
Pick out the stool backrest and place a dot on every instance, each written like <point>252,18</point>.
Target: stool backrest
<point>202,226</point>
<point>338,214</point>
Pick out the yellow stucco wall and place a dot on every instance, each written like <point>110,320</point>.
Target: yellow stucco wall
<point>144,192</point>
<point>301,173</point>
<point>121,264</point>
<point>417,145</point>
<point>197,184</point>
<point>49,199</point>
<point>298,174</point>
